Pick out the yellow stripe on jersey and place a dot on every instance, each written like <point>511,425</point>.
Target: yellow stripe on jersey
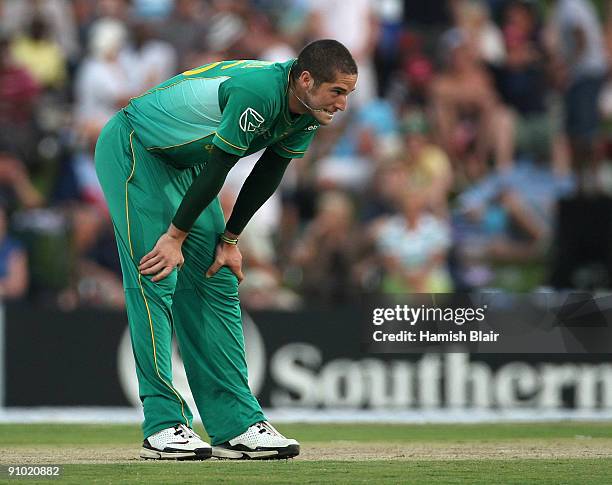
<point>290,151</point>
<point>230,144</point>
<point>208,67</point>
<point>180,144</point>
<point>233,64</point>
<point>161,88</point>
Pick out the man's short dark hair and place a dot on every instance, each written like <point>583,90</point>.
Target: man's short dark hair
<point>324,59</point>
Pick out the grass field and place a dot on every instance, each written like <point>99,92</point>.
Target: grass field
<point>551,453</point>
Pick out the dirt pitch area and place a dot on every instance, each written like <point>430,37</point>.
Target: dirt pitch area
<point>578,447</point>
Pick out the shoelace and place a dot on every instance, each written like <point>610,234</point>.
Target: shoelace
<point>265,427</point>
<point>185,432</point>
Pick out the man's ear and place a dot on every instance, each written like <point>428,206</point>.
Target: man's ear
<point>307,80</point>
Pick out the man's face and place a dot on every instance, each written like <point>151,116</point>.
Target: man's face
<point>330,97</point>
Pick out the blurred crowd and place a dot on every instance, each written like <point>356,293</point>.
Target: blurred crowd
<point>472,123</point>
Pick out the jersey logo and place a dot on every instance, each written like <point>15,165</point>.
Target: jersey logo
<point>250,120</point>
<point>311,128</point>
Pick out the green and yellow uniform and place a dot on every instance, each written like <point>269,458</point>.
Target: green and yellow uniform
<point>179,138</point>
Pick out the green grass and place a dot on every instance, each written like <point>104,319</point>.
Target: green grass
<point>338,472</point>
<point>62,438</point>
<point>56,434</point>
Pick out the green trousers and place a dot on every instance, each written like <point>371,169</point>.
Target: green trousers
<point>143,194</point>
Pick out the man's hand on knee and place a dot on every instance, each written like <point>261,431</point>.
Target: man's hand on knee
<point>165,256</point>
<point>227,254</point>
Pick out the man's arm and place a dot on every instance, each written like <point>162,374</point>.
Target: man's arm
<point>204,188</point>
<point>166,255</point>
<point>256,190</point>
<point>259,186</point>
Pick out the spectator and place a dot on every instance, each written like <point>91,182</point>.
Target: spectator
<point>428,167</point>
<point>41,55</point>
<point>102,81</point>
<point>387,187</point>
<point>506,219</point>
<point>58,15</point>
<point>495,91</point>
<point>19,95</point>
<point>150,59</point>
<point>468,114</point>
<point>581,66</point>
<point>326,253</point>
<point>97,274</point>
<point>416,71</point>
<point>413,247</point>
<point>522,82</point>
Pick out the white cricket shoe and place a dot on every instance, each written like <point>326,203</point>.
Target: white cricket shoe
<point>260,442</point>
<point>176,443</point>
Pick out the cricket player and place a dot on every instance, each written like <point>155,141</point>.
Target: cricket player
<point>161,162</point>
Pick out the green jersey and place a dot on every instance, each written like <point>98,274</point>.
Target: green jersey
<point>239,106</point>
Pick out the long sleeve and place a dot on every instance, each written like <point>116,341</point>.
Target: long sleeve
<point>204,188</point>
<point>261,183</point>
